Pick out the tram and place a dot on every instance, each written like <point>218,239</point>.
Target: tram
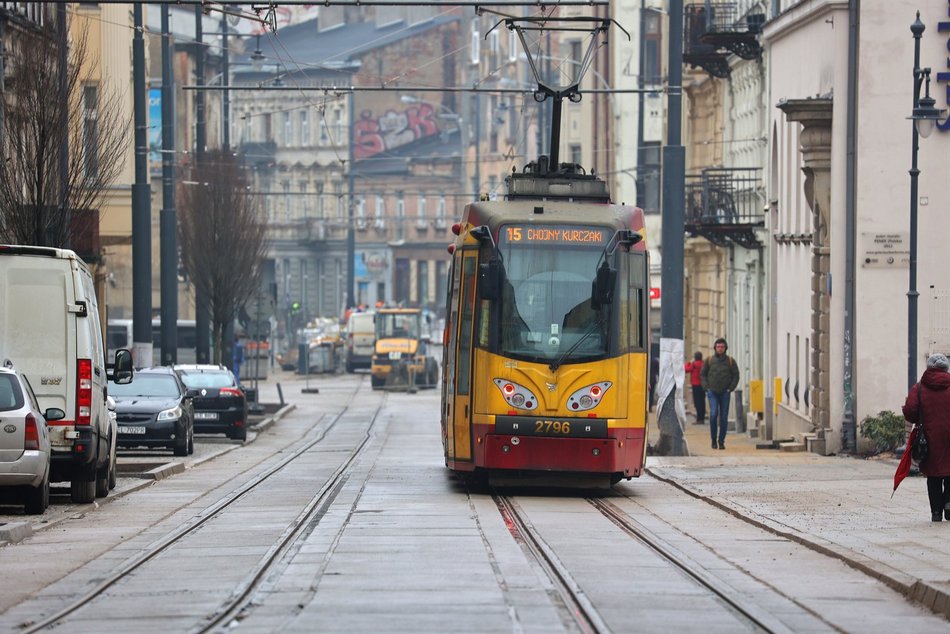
<point>547,337</point>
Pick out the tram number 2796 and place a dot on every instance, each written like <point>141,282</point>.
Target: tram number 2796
<point>576,428</point>
<point>554,427</point>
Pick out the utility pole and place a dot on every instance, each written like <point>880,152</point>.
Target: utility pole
<point>202,317</point>
<point>351,219</point>
<point>141,207</point>
<point>227,340</point>
<point>670,400</point>
<point>67,213</point>
<point>168,230</point>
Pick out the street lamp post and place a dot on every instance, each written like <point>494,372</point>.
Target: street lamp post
<point>924,117</point>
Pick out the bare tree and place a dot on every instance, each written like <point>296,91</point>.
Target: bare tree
<point>222,238</point>
<point>39,189</point>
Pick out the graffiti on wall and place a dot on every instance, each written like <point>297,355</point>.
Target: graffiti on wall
<point>372,135</point>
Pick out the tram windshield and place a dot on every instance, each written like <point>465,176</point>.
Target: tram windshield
<point>546,312</point>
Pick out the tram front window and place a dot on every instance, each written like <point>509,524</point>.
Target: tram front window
<point>546,304</point>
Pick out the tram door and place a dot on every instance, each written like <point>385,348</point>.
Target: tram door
<point>459,382</point>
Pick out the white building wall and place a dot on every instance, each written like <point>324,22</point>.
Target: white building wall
<point>808,57</point>
<point>883,195</point>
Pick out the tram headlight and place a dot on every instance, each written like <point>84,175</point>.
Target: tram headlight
<point>516,395</point>
<point>588,397</point>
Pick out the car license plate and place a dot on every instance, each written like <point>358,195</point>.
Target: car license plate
<point>206,415</point>
<point>134,429</point>
<point>395,355</point>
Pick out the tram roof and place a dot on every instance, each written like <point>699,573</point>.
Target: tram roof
<point>496,213</point>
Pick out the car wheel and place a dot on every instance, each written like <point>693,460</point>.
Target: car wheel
<point>102,480</point>
<point>83,491</point>
<point>239,433</point>
<point>37,498</point>
<point>349,368</point>
<point>181,448</point>
<point>113,469</point>
<point>191,441</point>
<point>376,383</point>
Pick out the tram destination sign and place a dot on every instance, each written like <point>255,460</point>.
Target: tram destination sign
<point>554,234</point>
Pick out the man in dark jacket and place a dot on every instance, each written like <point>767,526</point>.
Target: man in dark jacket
<point>720,376</point>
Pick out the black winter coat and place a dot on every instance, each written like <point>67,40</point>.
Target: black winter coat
<point>935,403</point>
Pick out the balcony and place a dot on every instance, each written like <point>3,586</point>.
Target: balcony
<point>724,206</point>
<point>713,30</point>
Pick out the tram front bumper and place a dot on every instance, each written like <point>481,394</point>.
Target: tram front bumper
<point>622,455</point>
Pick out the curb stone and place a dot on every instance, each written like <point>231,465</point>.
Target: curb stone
<point>931,597</point>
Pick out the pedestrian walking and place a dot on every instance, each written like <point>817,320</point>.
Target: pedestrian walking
<point>720,376</point>
<point>238,359</point>
<point>694,368</point>
<point>928,406</point>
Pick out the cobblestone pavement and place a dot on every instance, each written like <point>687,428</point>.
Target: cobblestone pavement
<point>838,505</point>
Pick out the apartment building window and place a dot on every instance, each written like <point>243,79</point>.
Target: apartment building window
<point>361,213</point>
<point>648,178</point>
<point>340,200</point>
<point>338,124</point>
<point>380,221</point>
<point>268,128</point>
<point>421,212</point>
<point>652,70</point>
<point>305,127</point>
<point>422,281</point>
<point>321,202</point>
<point>285,185</point>
<point>304,203</point>
<point>575,152</point>
<point>91,130</point>
<point>576,56</point>
<point>288,130</point>
<point>324,133</point>
<point>440,213</point>
<point>475,46</point>
<point>494,49</point>
<point>400,217</point>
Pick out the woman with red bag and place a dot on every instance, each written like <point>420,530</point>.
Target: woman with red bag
<point>928,405</point>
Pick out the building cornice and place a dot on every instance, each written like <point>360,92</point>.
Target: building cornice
<point>799,17</point>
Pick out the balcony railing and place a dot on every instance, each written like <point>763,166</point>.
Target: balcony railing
<point>724,206</point>
<point>714,29</point>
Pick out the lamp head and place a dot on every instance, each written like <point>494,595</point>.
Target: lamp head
<point>926,114</point>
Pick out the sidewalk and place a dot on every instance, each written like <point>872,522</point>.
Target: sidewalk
<point>840,506</point>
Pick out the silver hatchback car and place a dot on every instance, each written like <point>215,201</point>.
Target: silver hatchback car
<point>24,442</point>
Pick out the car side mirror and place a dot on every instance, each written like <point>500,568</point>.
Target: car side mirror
<point>192,393</point>
<point>54,413</point>
<point>120,372</point>
<point>602,288</point>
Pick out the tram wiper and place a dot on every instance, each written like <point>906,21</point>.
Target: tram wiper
<point>593,327</point>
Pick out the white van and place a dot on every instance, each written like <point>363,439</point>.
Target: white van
<point>50,330</point>
<point>360,341</point>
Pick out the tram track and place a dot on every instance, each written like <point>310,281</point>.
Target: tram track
<point>238,598</point>
<point>572,596</point>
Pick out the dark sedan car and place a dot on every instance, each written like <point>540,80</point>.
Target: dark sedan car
<point>155,410</point>
<point>220,403</point>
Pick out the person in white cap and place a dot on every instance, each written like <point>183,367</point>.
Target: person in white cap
<point>928,405</point>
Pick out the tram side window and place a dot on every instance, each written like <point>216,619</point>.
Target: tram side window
<point>465,331</point>
<point>632,295</point>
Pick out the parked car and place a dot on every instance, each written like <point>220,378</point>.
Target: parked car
<point>360,341</point>
<point>155,410</point>
<point>24,441</point>
<point>220,403</point>
<point>50,329</point>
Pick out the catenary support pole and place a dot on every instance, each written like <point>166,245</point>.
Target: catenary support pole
<point>141,207</point>
<point>202,318</point>
<point>168,230</point>
<point>670,412</point>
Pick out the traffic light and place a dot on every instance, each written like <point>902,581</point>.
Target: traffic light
<point>295,307</point>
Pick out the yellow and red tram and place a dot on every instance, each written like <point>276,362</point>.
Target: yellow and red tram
<point>546,343</point>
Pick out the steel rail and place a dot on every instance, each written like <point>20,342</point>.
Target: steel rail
<point>182,531</point>
<point>755,615</point>
<point>327,493</point>
<point>574,598</point>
